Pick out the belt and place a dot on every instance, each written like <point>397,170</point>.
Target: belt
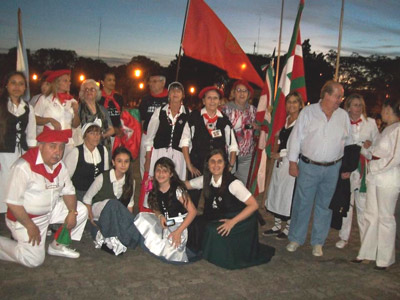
<point>322,164</point>
<point>11,216</point>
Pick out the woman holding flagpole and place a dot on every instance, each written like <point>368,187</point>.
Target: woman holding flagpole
<point>280,192</point>
<point>17,128</point>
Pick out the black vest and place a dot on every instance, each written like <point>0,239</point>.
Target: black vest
<point>10,138</point>
<point>85,173</point>
<point>165,136</point>
<point>173,206</point>
<point>203,142</point>
<point>220,203</point>
<point>284,137</point>
<point>107,191</point>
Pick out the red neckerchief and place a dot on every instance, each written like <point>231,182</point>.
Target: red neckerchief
<point>31,155</point>
<point>64,97</point>
<point>355,122</point>
<point>210,121</point>
<point>109,98</point>
<point>163,94</point>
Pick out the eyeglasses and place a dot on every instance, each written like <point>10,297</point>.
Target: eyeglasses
<point>241,90</point>
<point>89,90</point>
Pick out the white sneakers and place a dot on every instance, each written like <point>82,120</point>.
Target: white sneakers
<point>317,250</point>
<point>61,250</point>
<point>292,246</point>
<point>341,244</point>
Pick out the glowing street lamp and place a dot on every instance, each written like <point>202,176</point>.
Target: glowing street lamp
<point>82,77</point>
<point>137,73</point>
<point>34,77</point>
<point>243,66</point>
<point>192,90</point>
<point>141,85</point>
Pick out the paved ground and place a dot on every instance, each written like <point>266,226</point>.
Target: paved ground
<point>136,275</point>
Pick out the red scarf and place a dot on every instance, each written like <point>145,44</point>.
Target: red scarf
<point>210,121</point>
<point>163,94</point>
<point>109,98</point>
<point>355,122</point>
<point>31,155</point>
<point>64,97</point>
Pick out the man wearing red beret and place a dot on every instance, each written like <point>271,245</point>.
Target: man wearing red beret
<point>38,180</point>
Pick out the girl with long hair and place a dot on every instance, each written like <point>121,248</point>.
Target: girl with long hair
<point>109,201</point>
<point>230,229</point>
<point>165,231</point>
<point>17,128</point>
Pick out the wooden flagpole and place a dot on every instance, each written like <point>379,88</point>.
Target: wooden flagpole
<point>180,45</point>
<point>279,53</point>
<point>339,43</point>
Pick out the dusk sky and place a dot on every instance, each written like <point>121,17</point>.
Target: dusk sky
<point>153,28</point>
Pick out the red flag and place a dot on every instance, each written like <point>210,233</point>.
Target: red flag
<point>292,79</point>
<point>256,178</point>
<point>207,39</point>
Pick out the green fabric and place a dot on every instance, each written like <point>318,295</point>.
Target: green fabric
<point>363,174</point>
<point>106,191</point>
<point>240,249</point>
<point>64,237</point>
<point>135,113</point>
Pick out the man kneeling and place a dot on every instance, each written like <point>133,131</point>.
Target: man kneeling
<point>38,181</point>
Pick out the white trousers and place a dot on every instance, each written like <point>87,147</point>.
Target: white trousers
<point>358,199</point>
<point>20,251</point>
<point>378,240</point>
<point>142,154</point>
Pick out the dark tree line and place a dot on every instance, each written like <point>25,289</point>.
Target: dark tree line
<point>375,77</point>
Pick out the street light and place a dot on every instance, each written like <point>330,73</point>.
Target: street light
<point>137,73</point>
<point>141,85</point>
<point>243,66</point>
<point>34,77</point>
<point>81,77</point>
<point>192,90</point>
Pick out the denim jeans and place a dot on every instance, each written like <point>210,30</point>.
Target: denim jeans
<point>315,187</point>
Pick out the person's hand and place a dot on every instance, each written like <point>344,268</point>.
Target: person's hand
<point>293,169</point>
<point>118,131</point>
<point>163,221</point>
<point>193,171</point>
<point>70,220</point>
<point>226,227</point>
<point>90,215</point>
<point>255,126</point>
<point>33,234</point>
<point>176,238</point>
<point>345,175</point>
<point>367,144</point>
<point>56,124</point>
<point>275,155</point>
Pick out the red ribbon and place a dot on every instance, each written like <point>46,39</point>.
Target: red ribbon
<point>210,120</point>
<point>31,155</point>
<point>64,97</point>
<point>355,122</point>
<point>109,98</point>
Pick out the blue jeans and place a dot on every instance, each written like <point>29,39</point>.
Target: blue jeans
<point>315,186</point>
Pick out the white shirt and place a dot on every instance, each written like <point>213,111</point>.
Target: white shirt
<point>33,191</point>
<point>117,189</point>
<point>318,138</point>
<point>387,148</point>
<point>155,123</point>
<point>71,160</point>
<point>236,187</point>
<point>50,107</point>
<point>188,134</point>
<point>19,110</point>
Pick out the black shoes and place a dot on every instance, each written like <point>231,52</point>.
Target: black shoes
<point>271,232</point>
<point>281,236</point>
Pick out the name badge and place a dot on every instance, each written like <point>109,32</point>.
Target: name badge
<point>216,133</point>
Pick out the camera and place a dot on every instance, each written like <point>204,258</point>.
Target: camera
<point>248,126</point>
<point>170,222</point>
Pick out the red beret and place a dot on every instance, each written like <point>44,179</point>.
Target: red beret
<point>211,88</point>
<point>246,84</point>
<point>53,136</point>
<point>55,74</point>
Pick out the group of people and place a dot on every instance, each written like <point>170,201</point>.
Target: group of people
<point>58,164</point>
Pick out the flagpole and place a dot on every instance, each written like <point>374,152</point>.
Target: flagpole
<point>180,45</point>
<point>279,52</point>
<point>339,42</point>
<point>98,46</point>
